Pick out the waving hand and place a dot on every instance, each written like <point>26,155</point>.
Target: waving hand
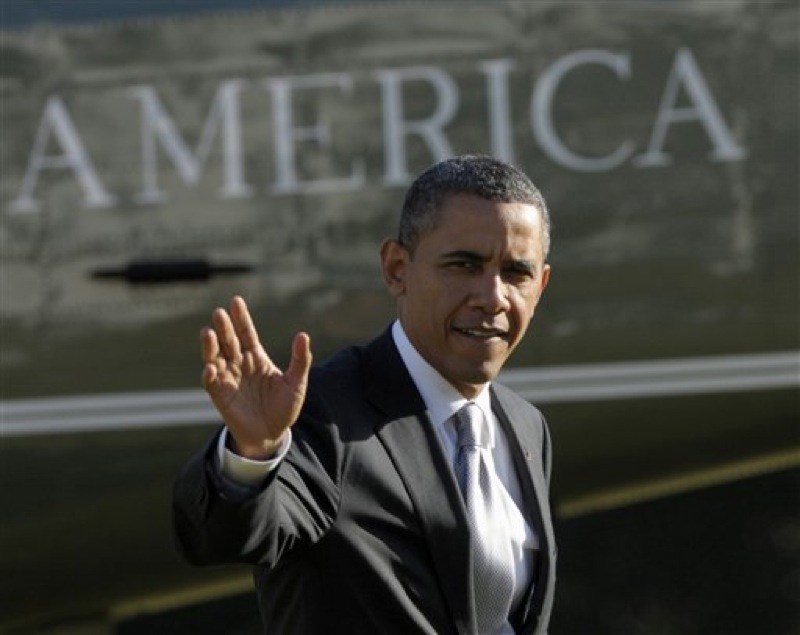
<point>257,401</point>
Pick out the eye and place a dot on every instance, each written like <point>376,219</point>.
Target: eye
<point>468,265</point>
<point>518,273</point>
<point>463,261</point>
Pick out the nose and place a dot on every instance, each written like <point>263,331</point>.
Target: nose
<point>491,294</point>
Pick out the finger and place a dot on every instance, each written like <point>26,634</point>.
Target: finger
<point>243,324</point>
<point>300,365</point>
<point>208,377</point>
<point>226,336</point>
<point>213,364</point>
<point>209,346</point>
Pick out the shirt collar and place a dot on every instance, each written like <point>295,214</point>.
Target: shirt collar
<point>441,398</point>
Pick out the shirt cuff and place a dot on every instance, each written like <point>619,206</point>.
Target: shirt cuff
<point>247,472</point>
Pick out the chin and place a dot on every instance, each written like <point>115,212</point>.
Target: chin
<point>481,373</point>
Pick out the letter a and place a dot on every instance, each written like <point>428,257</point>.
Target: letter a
<point>704,109</point>
<point>56,120</point>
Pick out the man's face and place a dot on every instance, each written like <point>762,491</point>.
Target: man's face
<point>466,296</point>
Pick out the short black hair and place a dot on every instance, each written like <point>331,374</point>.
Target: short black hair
<point>479,175</point>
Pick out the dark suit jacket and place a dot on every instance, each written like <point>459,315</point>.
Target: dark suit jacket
<point>361,529</point>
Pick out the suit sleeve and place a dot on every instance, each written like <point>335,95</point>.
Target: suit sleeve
<point>295,506</point>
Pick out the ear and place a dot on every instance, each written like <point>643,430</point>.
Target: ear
<point>545,279</point>
<point>542,284</point>
<point>394,263</point>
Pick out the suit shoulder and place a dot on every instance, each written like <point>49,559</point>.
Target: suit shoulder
<point>513,399</point>
<point>338,380</point>
<point>342,366</point>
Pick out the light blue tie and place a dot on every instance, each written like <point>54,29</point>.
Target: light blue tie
<point>493,568</point>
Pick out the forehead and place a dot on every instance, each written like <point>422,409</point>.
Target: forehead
<point>474,222</point>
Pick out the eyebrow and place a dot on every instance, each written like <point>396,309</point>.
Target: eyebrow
<point>464,254</point>
<point>524,265</point>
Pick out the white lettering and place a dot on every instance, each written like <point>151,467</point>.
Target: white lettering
<point>56,120</point>
<point>308,144</point>
<point>496,72</point>
<point>287,134</point>
<point>396,127</point>
<point>156,123</point>
<point>686,73</point>
<point>542,111</point>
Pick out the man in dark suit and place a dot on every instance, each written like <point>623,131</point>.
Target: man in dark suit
<point>338,483</point>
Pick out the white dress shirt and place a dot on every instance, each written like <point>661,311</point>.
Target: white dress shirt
<point>442,400</point>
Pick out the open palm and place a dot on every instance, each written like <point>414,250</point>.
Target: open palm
<point>257,401</point>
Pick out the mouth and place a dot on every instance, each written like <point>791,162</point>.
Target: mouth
<point>482,333</point>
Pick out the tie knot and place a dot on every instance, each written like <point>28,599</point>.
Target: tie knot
<point>471,427</point>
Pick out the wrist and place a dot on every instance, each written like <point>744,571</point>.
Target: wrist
<point>266,451</point>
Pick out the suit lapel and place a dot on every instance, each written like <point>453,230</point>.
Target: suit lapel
<point>525,441</point>
<point>411,442</point>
